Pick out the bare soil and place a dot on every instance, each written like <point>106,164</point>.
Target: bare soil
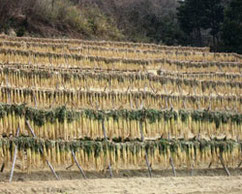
<point>126,181</point>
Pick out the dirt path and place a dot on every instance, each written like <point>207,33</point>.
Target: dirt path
<point>199,184</point>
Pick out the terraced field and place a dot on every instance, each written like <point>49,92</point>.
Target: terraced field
<point>113,106</point>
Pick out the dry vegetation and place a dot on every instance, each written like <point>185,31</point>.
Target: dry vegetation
<point>118,104</point>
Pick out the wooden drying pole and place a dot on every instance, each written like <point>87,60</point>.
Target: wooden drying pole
<point>224,166</point>
<point>8,101</point>
<point>8,92</point>
<point>239,164</point>
<point>146,153</point>
<point>173,167</point>
<point>69,166</point>
<point>142,139</point>
<point>14,157</point>
<point>106,139</point>
<point>210,164</point>
<point>41,151</point>
<point>191,169</point>
<point>171,161</point>
<point>78,165</point>
<point>2,167</point>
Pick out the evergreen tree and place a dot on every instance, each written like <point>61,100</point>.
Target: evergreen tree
<point>197,15</point>
<point>190,17</point>
<point>232,27</point>
<point>213,18</point>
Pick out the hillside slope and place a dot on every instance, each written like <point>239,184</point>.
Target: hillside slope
<point>107,20</point>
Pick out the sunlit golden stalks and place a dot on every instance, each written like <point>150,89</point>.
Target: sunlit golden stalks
<point>100,55</point>
<point>135,159</point>
<point>109,99</point>
<point>123,128</point>
<point>29,160</point>
<point>57,43</point>
<point>207,75</point>
<point>126,52</point>
<point>121,52</point>
<point>43,57</point>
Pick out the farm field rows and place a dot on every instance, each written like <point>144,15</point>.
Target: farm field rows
<point>113,106</point>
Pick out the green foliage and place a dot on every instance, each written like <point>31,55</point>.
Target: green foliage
<point>213,18</point>
<point>100,25</point>
<point>57,17</point>
<point>232,27</point>
<point>98,146</point>
<point>197,15</point>
<point>190,17</point>
<point>144,24</point>
<point>213,15</point>
<point>40,116</point>
<point>20,32</point>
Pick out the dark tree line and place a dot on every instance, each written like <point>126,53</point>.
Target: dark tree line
<point>216,23</point>
<point>232,28</point>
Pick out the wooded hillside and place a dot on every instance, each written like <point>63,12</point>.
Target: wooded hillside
<point>214,23</point>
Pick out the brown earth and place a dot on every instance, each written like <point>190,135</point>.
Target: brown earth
<point>137,181</point>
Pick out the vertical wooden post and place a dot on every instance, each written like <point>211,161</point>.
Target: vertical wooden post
<point>8,92</point>
<point>141,131</point>
<point>239,164</point>
<point>2,168</point>
<point>224,166</point>
<point>35,101</point>
<point>14,158</point>
<point>106,139</point>
<point>172,165</point>
<point>50,166</point>
<point>210,164</point>
<point>171,161</point>
<point>80,168</point>
<point>191,169</point>
<point>146,154</point>
<point>41,151</point>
